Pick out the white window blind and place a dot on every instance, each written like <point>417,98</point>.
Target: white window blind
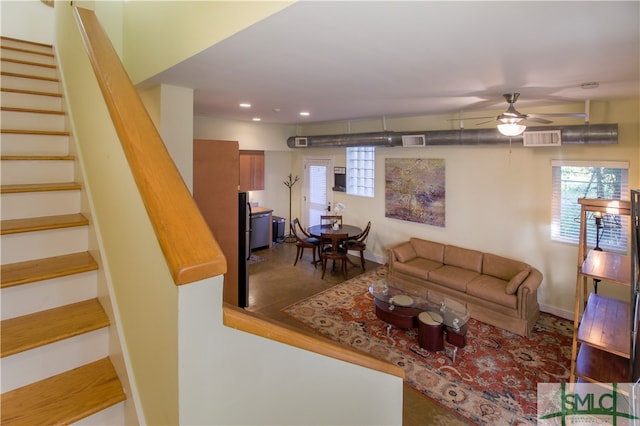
<point>588,179</point>
<point>318,191</point>
<point>361,170</point>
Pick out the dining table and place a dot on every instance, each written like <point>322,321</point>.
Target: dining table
<point>351,230</point>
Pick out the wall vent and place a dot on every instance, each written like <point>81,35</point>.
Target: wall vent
<point>542,138</point>
<point>413,140</point>
<point>301,142</point>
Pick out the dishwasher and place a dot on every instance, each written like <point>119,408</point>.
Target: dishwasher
<point>260,227</point>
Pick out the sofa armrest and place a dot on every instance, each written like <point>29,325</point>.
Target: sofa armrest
<point>391,257</point>
<point>532,282</point>
<point>402,252</point>
<point>528,292</point>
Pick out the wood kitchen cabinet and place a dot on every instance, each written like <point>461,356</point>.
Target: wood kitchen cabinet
<point>251,170</point>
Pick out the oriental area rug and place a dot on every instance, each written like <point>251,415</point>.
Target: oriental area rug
<point>494,377</point>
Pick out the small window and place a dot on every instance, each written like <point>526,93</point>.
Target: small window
<point>589,179</point>
<point>361,170</point>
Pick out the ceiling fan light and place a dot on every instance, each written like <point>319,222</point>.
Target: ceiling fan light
<point>511,129</point>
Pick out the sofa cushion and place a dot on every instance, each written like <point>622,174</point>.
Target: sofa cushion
<point>501,267</point>
<point>428,249</point>
<point>492,289</point>
<point>417,267</point>
<point>404,252</point>
<point>463,258</point>
<point>515,282</point>
<point>512,271</point>
<point>452,277</point>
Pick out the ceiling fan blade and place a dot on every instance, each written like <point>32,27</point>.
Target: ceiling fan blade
<point>534,119</point>
<point>560,114</point>
<point>470,118</point>
<point>485,122</point>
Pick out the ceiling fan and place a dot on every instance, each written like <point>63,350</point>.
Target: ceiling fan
<point>510,122</point>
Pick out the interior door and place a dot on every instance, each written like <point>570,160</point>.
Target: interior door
<point>317,194</point>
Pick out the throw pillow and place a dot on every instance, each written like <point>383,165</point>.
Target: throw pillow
<point>405,252</point>
<point>515,282</point>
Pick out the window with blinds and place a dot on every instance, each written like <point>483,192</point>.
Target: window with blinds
<point>588,179</point>
<point>361,170</point>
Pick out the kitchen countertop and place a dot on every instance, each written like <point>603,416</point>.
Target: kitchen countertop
<point>260,210</point>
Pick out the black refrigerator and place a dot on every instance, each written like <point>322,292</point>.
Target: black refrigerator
<point>244,248</point>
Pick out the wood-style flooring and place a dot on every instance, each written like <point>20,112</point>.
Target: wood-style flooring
<point>276,283</point>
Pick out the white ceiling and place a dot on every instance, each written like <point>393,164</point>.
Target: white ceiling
<point>361,59</point>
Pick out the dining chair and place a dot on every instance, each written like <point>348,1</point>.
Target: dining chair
<point>332,247</point>
<point>359,243</point>
<point>328,220</point>
<point>303,241</point>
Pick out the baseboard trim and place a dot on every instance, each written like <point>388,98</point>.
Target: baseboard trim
<point>568,315</point>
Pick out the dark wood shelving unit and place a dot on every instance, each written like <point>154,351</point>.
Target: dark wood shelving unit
<point>596,328</point>
<point>598,366</point>
<point>602,338</point>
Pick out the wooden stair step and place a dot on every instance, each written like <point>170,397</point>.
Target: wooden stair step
<point>42,328</point>
<point>14,226</point>
<point>36,157</point>
<point>44,269</point>
<point>65,398</point>
<point>27,42</point>
<point>35,132</point>
<point>30,92</point>
<point>31,63</point>
<point>33,110</point>
<point>34,77</point>
<point>39,187</point>
<point>22,50</point>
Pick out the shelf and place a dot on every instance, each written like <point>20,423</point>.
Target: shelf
<point>606,325</point>
<point>611,267</point>
<point>601,347</point>
<point>594,365</point>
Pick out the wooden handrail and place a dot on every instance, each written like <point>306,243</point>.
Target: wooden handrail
<point>190,249</point>
<point>259,325</point>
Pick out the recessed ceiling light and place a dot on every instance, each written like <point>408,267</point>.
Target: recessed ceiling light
<point>305,113</point>
<point>245,105</point>
<point>256,119</point>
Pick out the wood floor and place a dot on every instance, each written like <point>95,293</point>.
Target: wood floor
<point>275,283</point>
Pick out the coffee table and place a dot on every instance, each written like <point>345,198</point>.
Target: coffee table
<point>400,309</point>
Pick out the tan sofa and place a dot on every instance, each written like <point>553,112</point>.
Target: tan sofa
<point>498,291</point>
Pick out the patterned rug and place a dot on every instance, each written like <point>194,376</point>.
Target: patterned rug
<point>494,377</point>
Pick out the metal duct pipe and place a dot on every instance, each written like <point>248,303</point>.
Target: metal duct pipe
<point>581,134</point>
<point>355,139</point>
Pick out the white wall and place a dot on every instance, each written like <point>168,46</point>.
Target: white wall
<point>29,20</point>
<point>234,378</point>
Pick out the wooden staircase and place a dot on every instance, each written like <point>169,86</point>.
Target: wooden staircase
<point>54,341</point>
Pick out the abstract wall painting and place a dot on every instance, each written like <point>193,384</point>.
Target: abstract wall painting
<point>415,190</point>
